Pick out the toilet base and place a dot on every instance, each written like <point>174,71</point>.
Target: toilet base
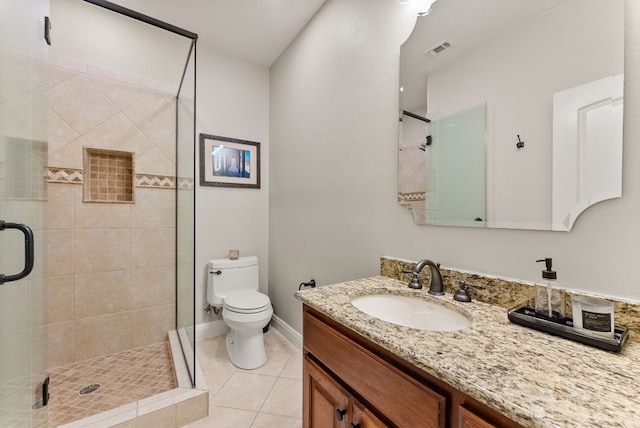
<point>246,348</point>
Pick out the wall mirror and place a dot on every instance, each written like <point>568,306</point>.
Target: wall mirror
<point>511,112</point>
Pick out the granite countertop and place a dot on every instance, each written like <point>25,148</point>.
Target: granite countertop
<point>536,379</point>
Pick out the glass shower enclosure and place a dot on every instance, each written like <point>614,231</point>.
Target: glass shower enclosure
<point>184,185</point>
<point>185,211</point>
<point>23,194</point>
<point>24,84</point>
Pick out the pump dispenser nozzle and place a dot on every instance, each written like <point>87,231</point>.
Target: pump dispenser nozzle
<point>544,302</point>
<point>548,273</point>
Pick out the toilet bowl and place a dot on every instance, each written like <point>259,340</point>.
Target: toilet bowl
<point>247,316</point>
<point>233,284</point>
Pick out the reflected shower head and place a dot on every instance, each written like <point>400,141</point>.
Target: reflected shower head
<point>428,141</point>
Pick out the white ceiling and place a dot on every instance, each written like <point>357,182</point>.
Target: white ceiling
<point>467,24</point>
<point>255,30</point>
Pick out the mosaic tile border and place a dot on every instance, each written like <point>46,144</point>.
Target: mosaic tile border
<point>76,176</point>
<point>64,175</point>
<point>411,197</point>
<point>161,181</point>
<point>505,293</point>
<point>186,183</point>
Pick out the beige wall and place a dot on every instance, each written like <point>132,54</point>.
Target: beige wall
<point>233,101</point>
<point>333,209</point>
<point>98,36</point>
<point>111,266</point>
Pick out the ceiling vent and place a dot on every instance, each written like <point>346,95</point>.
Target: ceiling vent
<point>439,48</point>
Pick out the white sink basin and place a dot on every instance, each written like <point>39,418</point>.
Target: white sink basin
<point>411,312</point>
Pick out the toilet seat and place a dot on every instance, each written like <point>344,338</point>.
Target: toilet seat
<point>246,302</point>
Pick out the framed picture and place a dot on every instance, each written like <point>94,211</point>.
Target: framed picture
<point>229,162</point>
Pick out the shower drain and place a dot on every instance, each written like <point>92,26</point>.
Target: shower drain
<point>89,389</point>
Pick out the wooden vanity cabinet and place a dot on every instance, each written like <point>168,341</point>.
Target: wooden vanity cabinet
<point>330,405</point>
<point>469,419</point>
<point>351,382</point>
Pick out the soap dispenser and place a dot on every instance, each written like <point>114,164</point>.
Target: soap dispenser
<point>550,299</point>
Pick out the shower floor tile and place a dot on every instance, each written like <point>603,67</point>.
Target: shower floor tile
<point>123,378</point>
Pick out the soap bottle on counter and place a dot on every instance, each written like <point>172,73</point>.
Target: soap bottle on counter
<point>550,298</point>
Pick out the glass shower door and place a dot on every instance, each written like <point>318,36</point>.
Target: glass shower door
<point>457,169</point>
<point>23,159</point>
<point>185,211</point>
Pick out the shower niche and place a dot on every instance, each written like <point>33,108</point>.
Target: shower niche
<point>108,176</point>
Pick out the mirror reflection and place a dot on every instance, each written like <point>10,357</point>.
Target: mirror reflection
<point>511,112</point>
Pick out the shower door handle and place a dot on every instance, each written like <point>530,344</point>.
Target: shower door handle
<point>28,251</point>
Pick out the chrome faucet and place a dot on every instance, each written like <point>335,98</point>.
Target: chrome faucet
<point>436,288</point>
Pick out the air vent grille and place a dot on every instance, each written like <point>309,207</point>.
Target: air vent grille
<point>440,47</point>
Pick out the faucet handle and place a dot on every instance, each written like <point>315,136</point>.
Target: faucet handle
<point>415,282</point>
<point>462,294</point>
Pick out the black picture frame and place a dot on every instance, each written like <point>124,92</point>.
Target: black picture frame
<point>229,162</point>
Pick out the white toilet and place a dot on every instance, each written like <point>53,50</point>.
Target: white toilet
<point>233,285</point>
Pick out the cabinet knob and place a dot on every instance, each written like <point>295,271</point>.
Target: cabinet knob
<point>340,414</point>
<point>352,425</point>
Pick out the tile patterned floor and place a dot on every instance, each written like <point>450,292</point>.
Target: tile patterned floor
<point>269,396</point>
<point>123,377</point>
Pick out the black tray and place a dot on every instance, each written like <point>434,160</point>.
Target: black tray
<point>563,327</point>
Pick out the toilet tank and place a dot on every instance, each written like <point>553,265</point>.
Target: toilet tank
<point>225,275</point>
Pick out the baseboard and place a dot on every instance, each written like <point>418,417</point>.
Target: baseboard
<point>218,327</point>
<point>211,329</point>
<point>287,331</point>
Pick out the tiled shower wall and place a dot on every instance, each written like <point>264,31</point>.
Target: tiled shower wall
<point>412,179</point>
<point>110,266</point>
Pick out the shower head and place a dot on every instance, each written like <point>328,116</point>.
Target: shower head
<point>428,141</point>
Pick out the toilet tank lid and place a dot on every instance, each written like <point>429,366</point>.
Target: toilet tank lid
<point>230,264</point>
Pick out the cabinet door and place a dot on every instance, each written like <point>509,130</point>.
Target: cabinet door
<point>326,404</point>
<point>401,399</point>
<point>469,419</point>
<point>363,418</point>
